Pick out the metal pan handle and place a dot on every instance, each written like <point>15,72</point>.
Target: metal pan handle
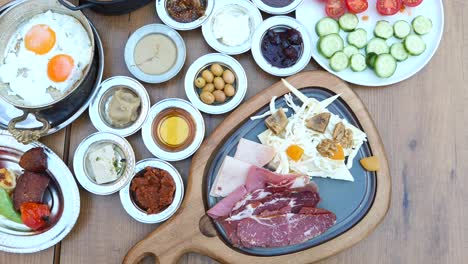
<point>27,136</point>
<point>76,8</point>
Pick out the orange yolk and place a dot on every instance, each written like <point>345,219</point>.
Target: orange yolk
<point>40,39</point>
<point>60,67</point>
<point>339,154</point>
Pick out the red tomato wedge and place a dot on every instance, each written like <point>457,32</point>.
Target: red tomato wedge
<point>357,6</point>
<point>412,3</point>
<point>388,7</point>
<point>335,8</point>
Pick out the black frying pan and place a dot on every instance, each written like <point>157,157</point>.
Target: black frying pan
<point>109,7</point>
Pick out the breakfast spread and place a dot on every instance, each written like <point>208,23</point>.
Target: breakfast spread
<point>261,179</point>
<point>45,58</point>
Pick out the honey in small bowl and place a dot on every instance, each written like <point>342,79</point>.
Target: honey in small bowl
<point>174,129</point>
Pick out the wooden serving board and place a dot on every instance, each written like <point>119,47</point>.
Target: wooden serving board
<point>190,230</point>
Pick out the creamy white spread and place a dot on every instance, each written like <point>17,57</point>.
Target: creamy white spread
<point>232,27</point>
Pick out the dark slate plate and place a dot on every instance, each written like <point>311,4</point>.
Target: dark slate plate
<point>350,201</point>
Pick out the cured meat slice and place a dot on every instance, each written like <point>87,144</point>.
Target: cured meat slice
<point>30,188</point>
<point>224,207</point>
<point>257,178</point>
<point>231,175</point>
<point>281,230</point>
<point>254,153</point>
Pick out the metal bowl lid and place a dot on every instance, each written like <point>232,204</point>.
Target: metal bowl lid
<point>147,130</point>
<point>277,10</point>
<point>97,109</point>
<point>227,61</point>
<point>81,169</point>
<point>62,193</point>
<point>137,213</point>
<point>148,30</point>
<point>281,22</point>
<point>168,20</point>
<point>242,6</point>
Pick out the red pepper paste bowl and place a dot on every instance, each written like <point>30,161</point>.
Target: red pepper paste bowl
<point>153,199</point>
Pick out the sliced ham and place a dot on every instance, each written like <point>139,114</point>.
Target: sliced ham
<point>224,207</point>
<point>254,153</point>
<point>257,178</point>
<point>231,175</point>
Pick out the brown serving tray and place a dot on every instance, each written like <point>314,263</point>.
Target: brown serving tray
<point>190,230</point>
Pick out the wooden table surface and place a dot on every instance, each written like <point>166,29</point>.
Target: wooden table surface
<point>421,121</point>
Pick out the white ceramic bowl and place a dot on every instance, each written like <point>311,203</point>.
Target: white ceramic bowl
<point>168,20</point>
<point>281,22</point>
<point>226,61</point>
<point>99,103</point>
<point>148,30</point>
<point>140,215</point>
<point>240,6</point>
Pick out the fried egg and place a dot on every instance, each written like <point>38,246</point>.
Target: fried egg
<point>45,57</point>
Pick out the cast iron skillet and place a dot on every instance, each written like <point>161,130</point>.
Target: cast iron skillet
<point>109,7</point>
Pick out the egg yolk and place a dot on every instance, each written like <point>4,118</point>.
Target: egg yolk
<point>60,67</point>
<point>40,39</point>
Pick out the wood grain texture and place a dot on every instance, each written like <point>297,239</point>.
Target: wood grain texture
<point>183,232</point>
<point>423,123</point>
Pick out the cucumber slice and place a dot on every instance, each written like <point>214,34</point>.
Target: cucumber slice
<point>370,59</point>
<point>414,44</point>
<point>327,26</point>
<point>401,29</point>
<point>339,61</point>
<point>422,25</point>
<point>350,51</point>
<point>383,29</point>
<point>358,62</point>
<point>358,38</point>
<point>385,65</point>
<point>330,44</point>
<point>348,22</point>
<point>398,51</point>
<point>377,46</point>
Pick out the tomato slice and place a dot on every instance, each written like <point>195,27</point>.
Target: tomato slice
<point>357,6</point>
<point>335,8</point>
<point>412,3</point>
<point>35,215</point>
<point>388,7</point>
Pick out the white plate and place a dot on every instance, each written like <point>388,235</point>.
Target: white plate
<point>203,62</point>
<point>67,200</point>
<point>243,6</point>
<point>311,11</point>
<point>142,216</point>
